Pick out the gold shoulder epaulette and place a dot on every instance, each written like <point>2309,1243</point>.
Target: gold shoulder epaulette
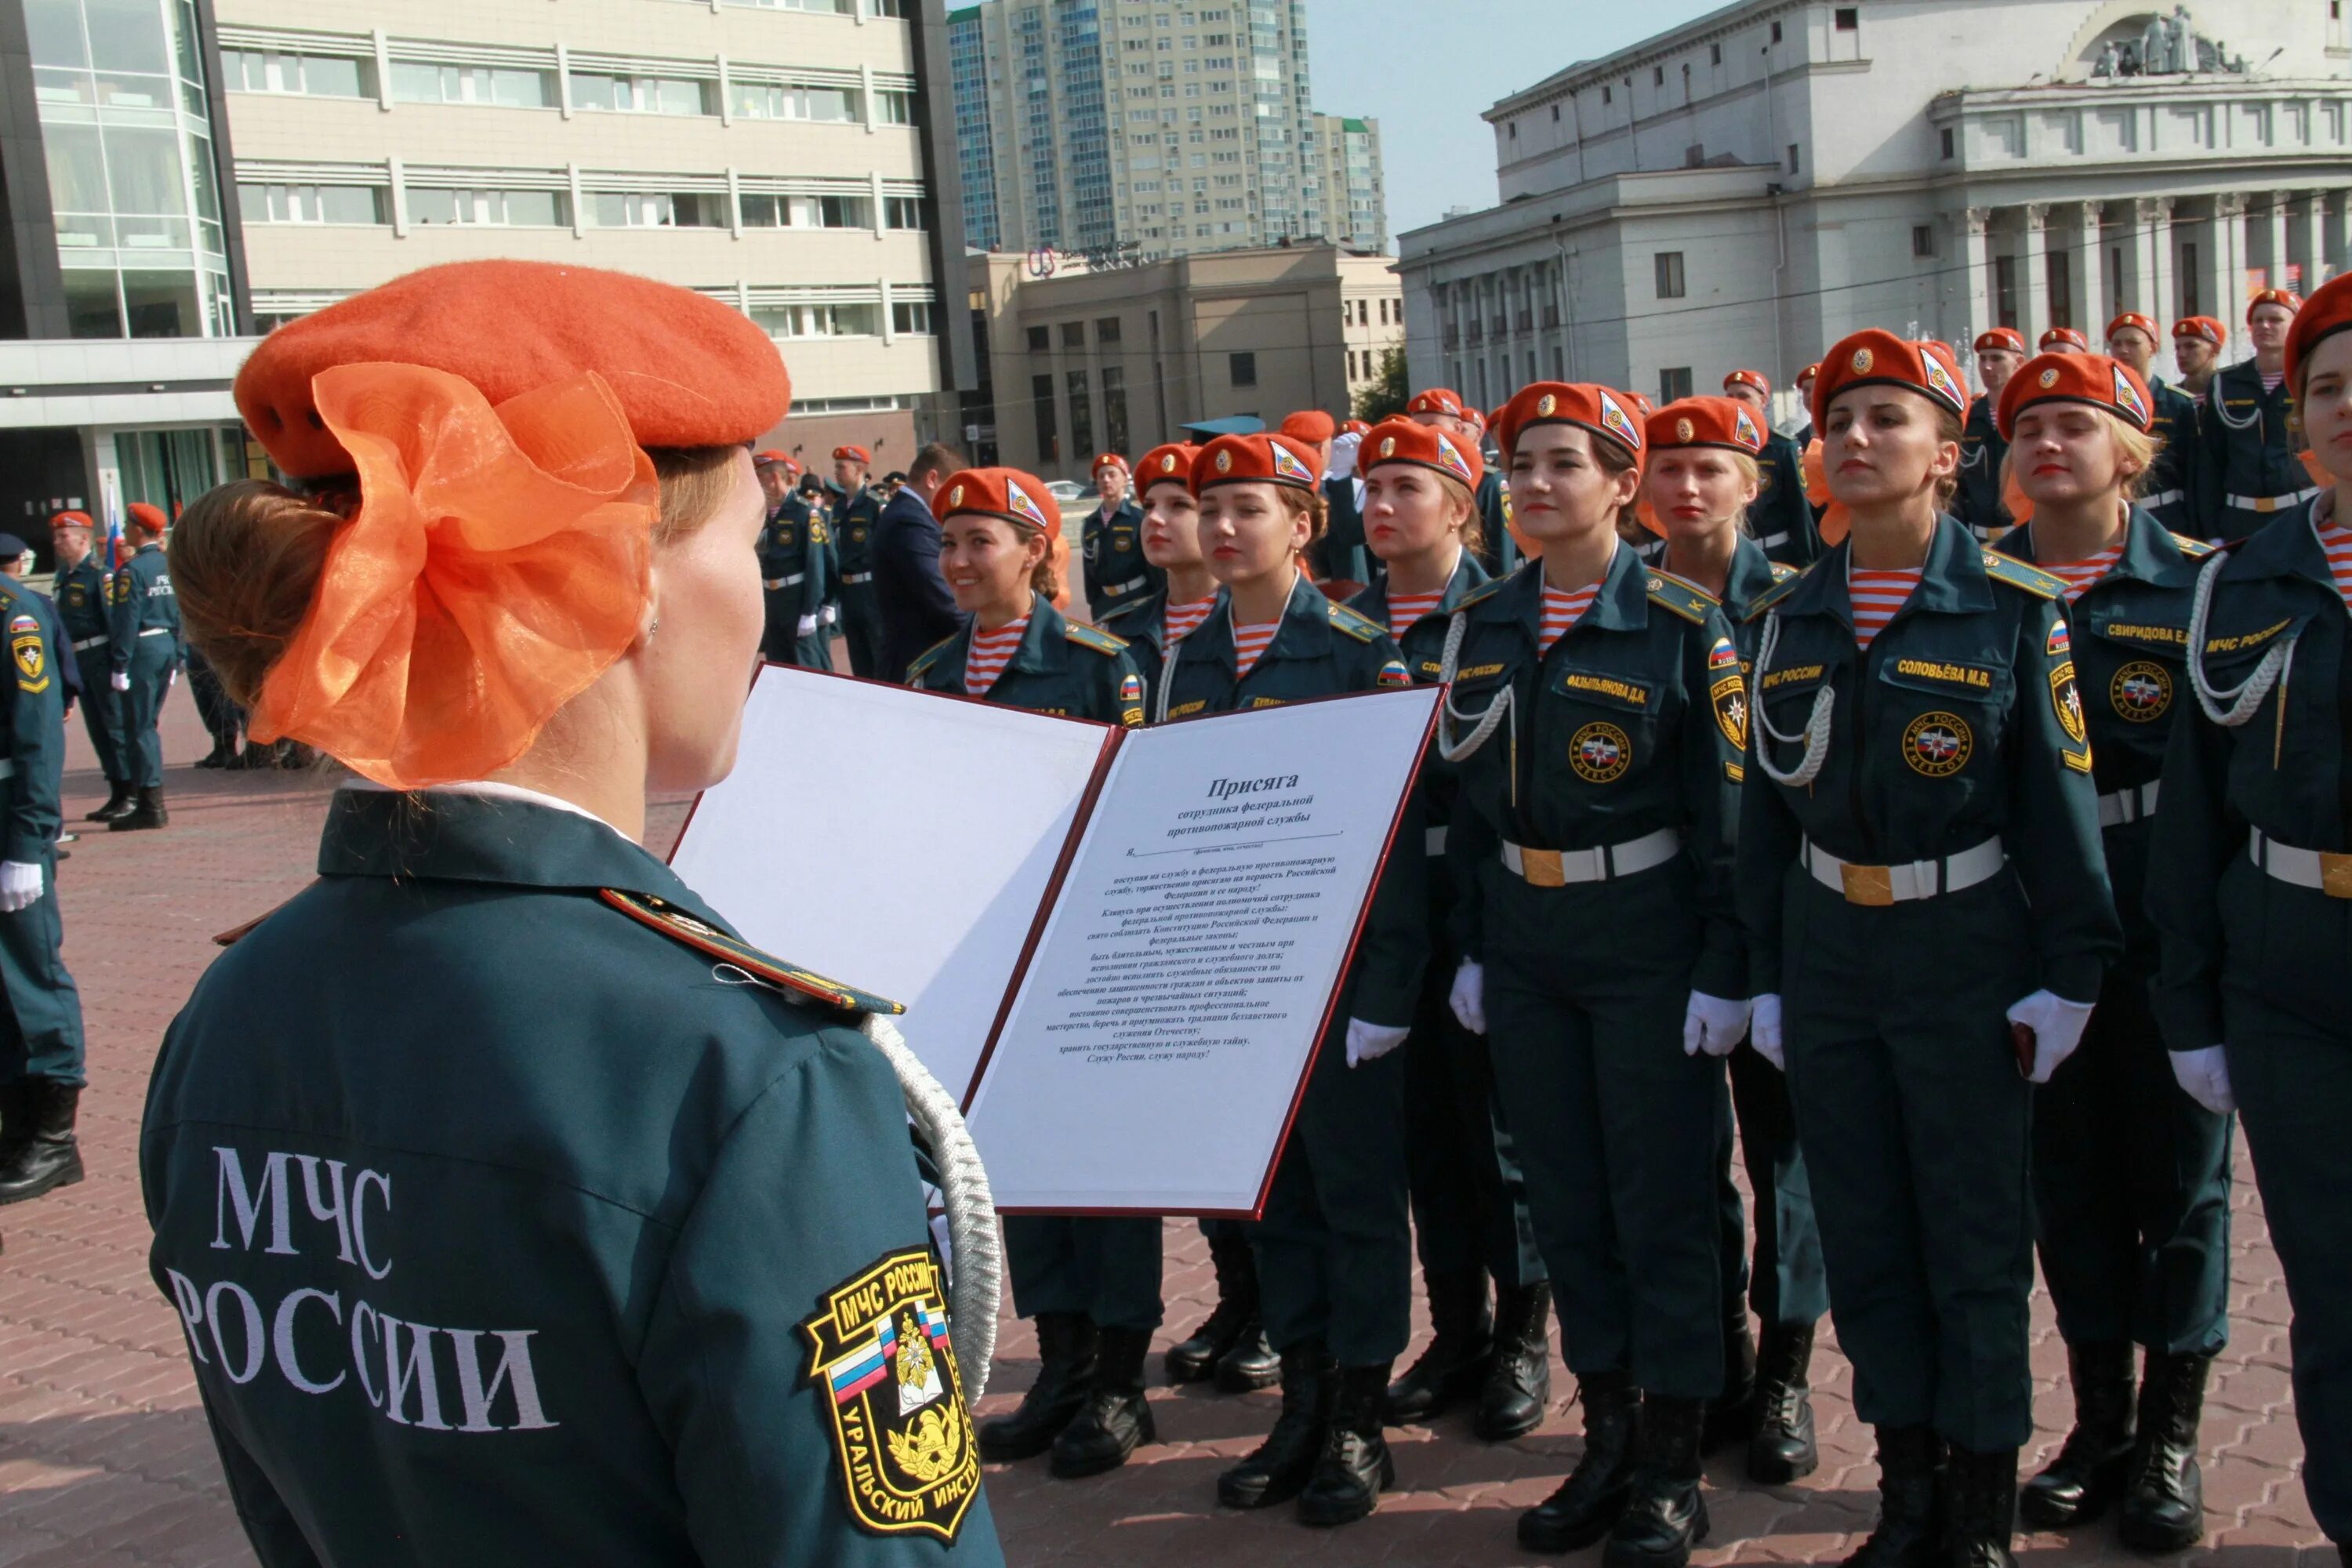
<point>1773,595</point>
<point>1782,571</point>
<point>1486,590</point>
<point>2195,549</point>
<point>703,937</point>
<point>2018,574</point>
<point>1093,636</point>
<point>928,657</point>
<point>1355,626</point>
<point>1686,599</point>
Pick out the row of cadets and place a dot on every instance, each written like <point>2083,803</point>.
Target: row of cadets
<point>1468,1198</point>
<point>793,555</point>
<point>856,507</point>
<point>2249,882</point>
<point>1780,519</point>
<point>1091,1285</point>
<point>1111,542</point>
<point>1976,502</point>
<point>2248,469</point>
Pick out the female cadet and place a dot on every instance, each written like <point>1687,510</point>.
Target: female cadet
<point>1092,1284</point>
<point>1780,520</point>
<point>1926,791</point>
<point>1115,569</point>
<point>1230,1344</point>
<point>2248,469</point>
<point>2064,341</point>
<point>143,650</point>
<point>2131,1176</point>
<point>1701,478</point>
<point>586,1232</point>
<point>2250,884</point>
<point>1334,1250</point>
<point>1593,721</point>
<point>2132,341</point>
<point>1469,1202</point>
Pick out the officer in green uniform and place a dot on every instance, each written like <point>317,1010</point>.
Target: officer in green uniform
<point>514,1209</point>
<point>826,545</point>
<point>1781,521</point>
<point>2250,885</point>
<point>1926,788</point>
<point>1469,1199</point>
<point>854,513</point>
<point>791,570</point>
<point>41,1045</point>
<point>1705,455</point>
<point>1979,503</point>
<point>2247,469</point>
<point>1334,1248</point>
<point>1598,745</point>
<point>142,661</point>
<point>2132,340</point>
<point>1340,555</point>
<point>1111,541</point>
<point>2131,1176</point>
<point>79,589</point>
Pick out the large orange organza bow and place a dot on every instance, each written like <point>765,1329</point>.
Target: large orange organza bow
<point>1835,521</point>
<point>499,563</point>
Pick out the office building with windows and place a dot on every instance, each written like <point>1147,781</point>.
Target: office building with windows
<point>255,161</point>
<point>1747,188</point>
<point>1355,193</point>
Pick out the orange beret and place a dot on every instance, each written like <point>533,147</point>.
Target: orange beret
<point>686,370</point>
<point>2204,327</point>
<point>2286,298</point>
<point>1107,460</point>
<point>1879,358</point>
<point>150,518</point>
<point>2000,341</point>
<point>2329,312</point>
<point>1399,440</point>
<point>2064,337</point>
<point>2094,379</point>
<point>1273,459</point>
<point>1354,428</point>
<point>771,455</point>
<point>72,520</point>
<point>1642,404</point>
<point>852,455</point>
<point>1814,371</point>
<point>1755,378</point>
<point>1436,400</point>
<point>1310,425</point>
<point>1019,498</point>
<point>1723,422</point>
<point>1168,465</point>
<point>1477,418</point>
<point>2131,319</point>
<point>1593,408</point>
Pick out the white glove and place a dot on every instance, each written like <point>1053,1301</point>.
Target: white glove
<point>1370,1042</point>
<point>1469,998</point>
<point>808,626</point>
<point>172,678</point>
<point>2203,1076</point>
<point>20,886</point>
<point>1764,1029</point>
<point>120,681</point>
<point>1713,1024</point>
<point>828,614</point>
<point>2057,1025</point>
<point>1343,455</point>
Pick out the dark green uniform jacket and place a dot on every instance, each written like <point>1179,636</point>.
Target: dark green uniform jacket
<point>1339,553</point>
<point>1116,570</point>
<point>1497,552</point>
<point>1423,645</point>
<point>2169,487</point>
<point>1631,723</point>
<point>852,533</point>
<point>1978,501</point>
<point>140,602</point>
<point>1063,667</point>
<point>34,732</point>
<point>1961,723</point>
<point>2247,450</point>
<point>1780,518</point>
<point>1142,624</point>
<point>517,1213</point>
<point>792,559</point>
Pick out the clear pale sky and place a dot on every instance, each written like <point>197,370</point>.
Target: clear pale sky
<point>1427,68</point>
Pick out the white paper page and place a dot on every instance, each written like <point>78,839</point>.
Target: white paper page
<point>894,840</point>
<point>1151,1060</point>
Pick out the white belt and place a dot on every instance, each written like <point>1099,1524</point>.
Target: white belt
<point>1132,586</point>
<point>1558,867</point>
<point>2317,868</point>
<point>1881,885</point>
<point>2165,499</point>
<point>855,577</point>
<point>2272,504</point>
<point>1433,841</point>
<point>89,642</point>
<point>156,632</point>
<point>2128,806</point>
<point>1774,540</point>
<point>795,581</point>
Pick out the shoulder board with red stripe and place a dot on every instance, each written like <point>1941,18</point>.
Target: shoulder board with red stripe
<point>703,937</point>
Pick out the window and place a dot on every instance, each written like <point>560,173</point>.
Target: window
<point>644,94</point>
<point>1607,94</point>
<point>1074,336</point>
<point>911,316</point>
<point>1241,370</point>
<point>417,83</point>
<point>692,210</point>
<point>317,76</point>
<point>2061,271</point>
<point>2004,289</point>
<point>1114,391</point>
<point>893,108</point>
<point>1950,142</point>
<point>904,212</point>
<point>818,320</point>
<point>1673,384</point>
<point>1923,239</point>
<point>1670,274</point>
<point>1714,58</point>
<point>1038,341</point>
<point>825,105</point>
<point>1049,440</point>
<point>1555,114</point>
<point>496,209</point>
<point>1082,414</point>
<point>2187,273</point>
<point>1514,130</point>
<point>1107,333</point>
<point>314,203</point>
<point>800,211</point>
<point>1848,19</point>
<point>1658,76</point>
<point>1792,157</point>
<point>1776,32</point>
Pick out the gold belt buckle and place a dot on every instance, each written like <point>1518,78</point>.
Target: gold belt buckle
<point>2336,875</point>
<point>1872,885</point>
<point>1542,868</point>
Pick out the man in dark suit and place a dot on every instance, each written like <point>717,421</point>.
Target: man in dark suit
<point>912,595</point>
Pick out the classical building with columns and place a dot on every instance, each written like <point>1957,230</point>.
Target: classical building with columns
<point>1747,188</point>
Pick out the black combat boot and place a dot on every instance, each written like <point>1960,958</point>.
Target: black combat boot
<point>1194,1359</point>
<point>1454,1366</point>
<point>1731,1415</point>
<point>2087,1477</point>
<point>1251,1364</point>
<point>1116,1417</point>
<point>146,811</point>
<point>1664,1516</point>
<point>1782,1450</point>
<point>223,754</point>
<point>1355,1466</point>
<point>117,802</point>
<point>1587,1504</point>
<point>2164,1505</point>
<point>1910,1529</point>
<point>1518,1385</point>
<point>1279,1468</point>
<point>1983,1509</point>
<point>16,1118</point>
<point>48,1157</point>
<point>1065,1371</point>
